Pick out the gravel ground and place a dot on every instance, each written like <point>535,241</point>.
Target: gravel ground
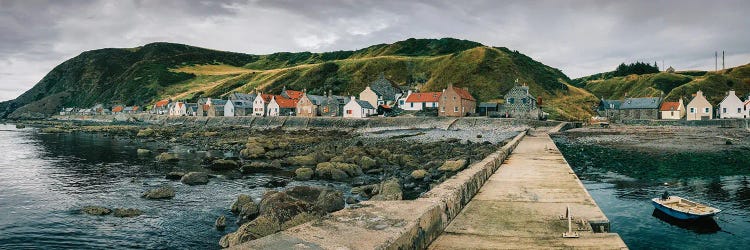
<point>496,135</point>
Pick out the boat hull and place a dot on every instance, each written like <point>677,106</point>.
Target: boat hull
<point>677,214</point>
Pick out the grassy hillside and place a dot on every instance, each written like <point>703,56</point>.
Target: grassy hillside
<point>146,74</point>
<point>673,85</point>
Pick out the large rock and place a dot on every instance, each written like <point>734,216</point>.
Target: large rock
<point>388,190</point>
<point>146,132</point>
<point>164,192</point>
<point>195,178</point>
<point>337,170</point>
<point>96,210</point>
<point>245,208</point>
<point>127,212</point>
<point>223,164</point>
<point>453,166</point>
<point>221,223</point>
<point>282,210</point>
<point>302,160</point>
<point>252,151</point>
<point>418,174</point>
<point>303,174</point>
<point>167,157</point>
<point>174,175</point>
<point>366,162</point>
<point>143,151</point>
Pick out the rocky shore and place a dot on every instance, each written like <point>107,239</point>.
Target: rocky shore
<point>384,165</point>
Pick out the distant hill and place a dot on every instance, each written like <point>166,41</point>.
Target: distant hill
<point>143,75</point>
<point>672,85</point>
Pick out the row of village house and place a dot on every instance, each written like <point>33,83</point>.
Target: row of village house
<point>383,93</point>
<point>652,108</point>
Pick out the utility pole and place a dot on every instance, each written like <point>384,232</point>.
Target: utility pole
<point>722,60</point>
<point>716,61</point>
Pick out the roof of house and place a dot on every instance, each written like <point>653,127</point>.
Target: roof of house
<point>218,102</point>
<point>292,94</point>
<point>242,96</point>
<point>641,103</point>
<point>129,109</point>
<point>669,106</point>
<point>488,105</point>
<point>364,104</point>
<point>285,102</point>
<point>266,97</point>
<point>610,104</point>
<point>241,103</point>
<point>117,109</point>
<point>162,103</point>
<point>424,97</point>
<point>316,99</point>
<point>464,94</point>
<point>385,88</point>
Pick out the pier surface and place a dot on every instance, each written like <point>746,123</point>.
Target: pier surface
<point>521,204</point>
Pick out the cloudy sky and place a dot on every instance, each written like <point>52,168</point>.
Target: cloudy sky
<point>578,37</point>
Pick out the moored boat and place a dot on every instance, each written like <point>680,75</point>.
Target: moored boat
<point>682,208</point>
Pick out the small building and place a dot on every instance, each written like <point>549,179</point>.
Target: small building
<point>672,110</point>
<point>333,105</point>
<point>519,103</point>
<point>699,108</point>
<point>731,107</point>
<point>215,107</point>
<point>456,102</point>
<point>281,106</point>
<point>419,101</point>
<point>485,108</point>
<point>67,111</point>
<point>670,70</point>
<point>291,94</point>
<point>309,105</point>
<point>358,108</point>
<point>260,104</point>
<point>238,107</point>
<point>117,109</point>
<point>160,107</point>
<point>644,108</point>
<point>131,110</point>
<point>191,109</point>
<point>609,108</point>
<point>381,91</point>
<point>177,109</point>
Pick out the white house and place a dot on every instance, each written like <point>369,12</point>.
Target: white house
<point>177,109</point>
<point>358,108</point>
<point>699,108</point>
<point>260,104</point>
<point>731,107</point>
<point>747,107</point>
<point>419,101</point>
<point>272,107</point>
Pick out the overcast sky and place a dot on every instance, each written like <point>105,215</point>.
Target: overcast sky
<point>578,37</point>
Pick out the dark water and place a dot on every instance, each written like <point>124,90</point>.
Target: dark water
<point>46,178</point>
<point>624,195</point>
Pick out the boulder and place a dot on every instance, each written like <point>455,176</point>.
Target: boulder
<point>221,223</point>
<point>242,199</point>
<point>143,151</point>
<point>418,174</point>
<point>174,175</point>
<point>245,208</point>
<point>302,160</point>
<point>195,178</point>
<point>366,162</point>
<point>453,166</point>
<point>223,164</point>
<point>258,166</point>
<point>275,154</point>
<point>337,170</point>
<point>252,151</point>
<point>20,126</point>
<point>388,190</point>
<point>303,174</point>
<point>96,210</point>
<point>163,192</point>
<point>166,157</point>
<point>146,132</point>
<point>126,212</point>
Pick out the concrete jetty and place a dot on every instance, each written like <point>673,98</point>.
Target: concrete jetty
<point>524,203</point>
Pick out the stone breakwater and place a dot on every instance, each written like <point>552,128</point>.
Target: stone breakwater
<point>392,224</point>
<point>319,123</point>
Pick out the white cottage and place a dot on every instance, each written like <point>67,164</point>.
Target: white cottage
<point>731,107</point>
<point>358,108</point>
<point>419,101</point>
<point>672,110</point>
<point>699,108</point>
<point>260,104</point>
<point>177,109</point>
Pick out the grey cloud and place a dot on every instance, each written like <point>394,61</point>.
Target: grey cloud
<point>580,37</point>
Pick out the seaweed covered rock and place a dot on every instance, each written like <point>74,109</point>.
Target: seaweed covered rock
<point>195,178</point>
<point>96,210</point>
<point>388,190</point>
<point>163,192</point>
<point>303,174</point>
<point>167,157</point>
<point>453,166</point>
<point>337,170</point>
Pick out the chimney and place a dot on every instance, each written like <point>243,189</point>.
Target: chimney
<point>329,93</point>
<point>352,98</point>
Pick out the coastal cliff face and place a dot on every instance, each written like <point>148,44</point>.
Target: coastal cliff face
<point>143,75</point>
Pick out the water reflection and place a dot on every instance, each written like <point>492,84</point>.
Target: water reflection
<point>701,226</point>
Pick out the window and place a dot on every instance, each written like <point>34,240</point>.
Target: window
<point>692,110</point>
<point>672,113</point>
<point>739,110</point>
<point>724,110</point>
<point>705,110</point>
<point>349,111</point>
<point>511,100</point>
<point>455,109</point>
<point>442,109</point>
<point>401,102</point>
<point>454,98</point>
<point>411,104</point>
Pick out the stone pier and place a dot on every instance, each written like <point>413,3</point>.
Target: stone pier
<point>522,203</point>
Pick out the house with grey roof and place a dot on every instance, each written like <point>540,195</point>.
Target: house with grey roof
<point>519,103</point>
<point>358,108</point>
<point>645,108</point>
<point>332,105</point>
<point>382,91</point>
<point>609,108</point>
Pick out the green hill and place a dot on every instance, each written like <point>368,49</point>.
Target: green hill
<point>143,75</point>
<point>672,85</point>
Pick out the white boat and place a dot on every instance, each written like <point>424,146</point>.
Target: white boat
<point>683,209</point>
